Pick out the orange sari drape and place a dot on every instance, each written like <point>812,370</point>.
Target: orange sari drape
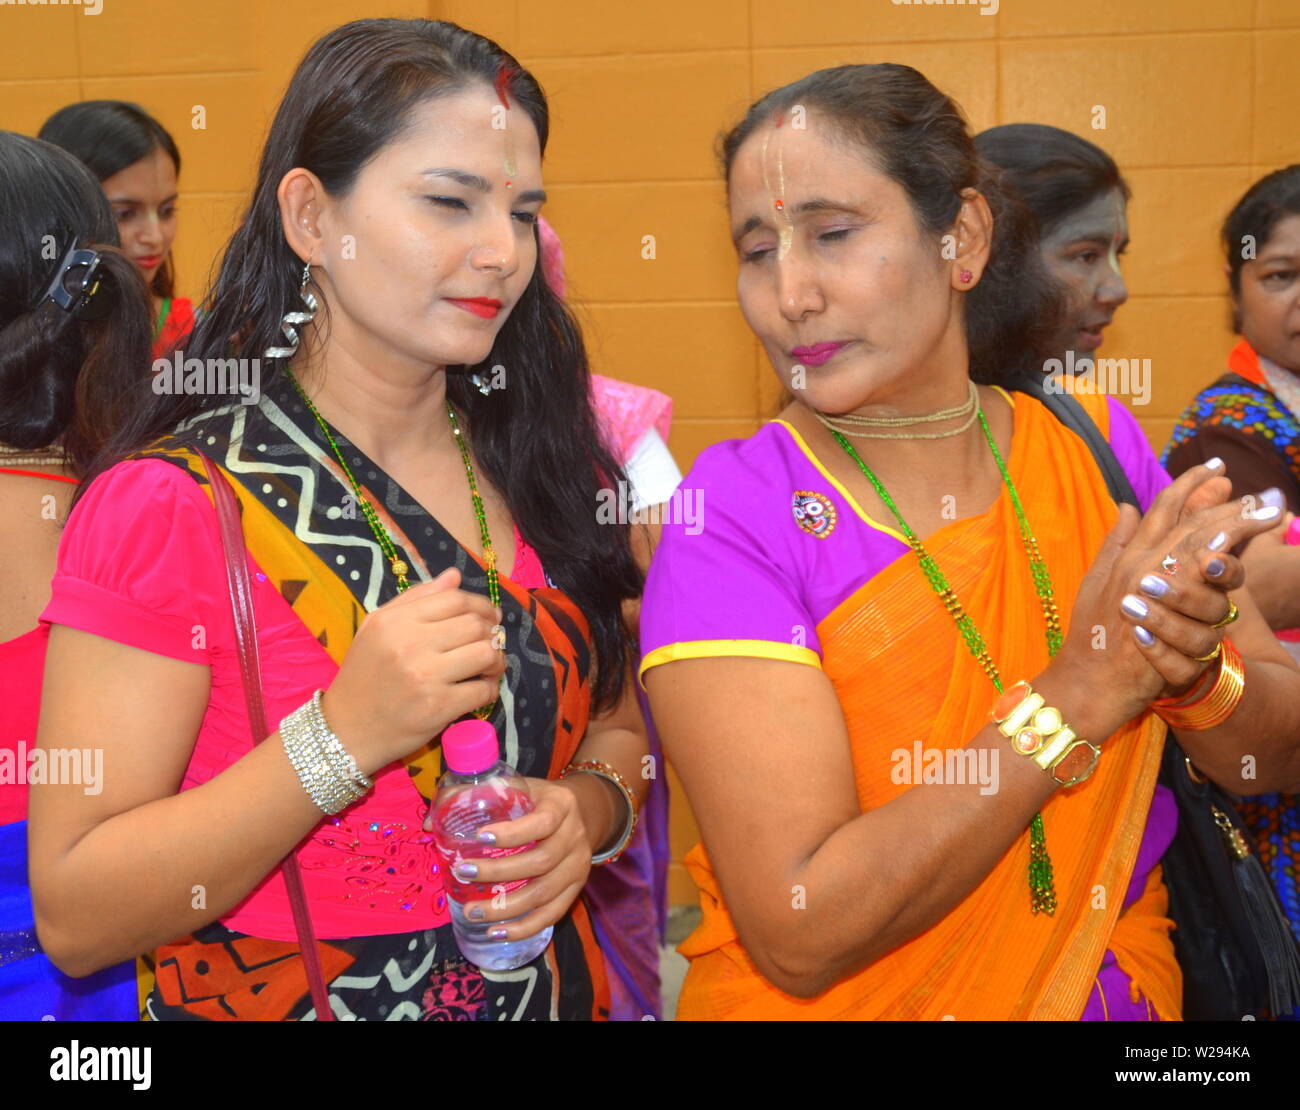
<point>903,675</point>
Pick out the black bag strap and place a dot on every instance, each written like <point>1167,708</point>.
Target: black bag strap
<point>1069,412</point>
<point>1220,982</point>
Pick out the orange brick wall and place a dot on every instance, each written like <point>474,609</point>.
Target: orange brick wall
<point>1200,99</point>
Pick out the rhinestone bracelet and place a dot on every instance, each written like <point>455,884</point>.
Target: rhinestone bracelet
<point>340,769</point>
<point>342,763</point>
<point>328,774</point>
<point>309,762</point>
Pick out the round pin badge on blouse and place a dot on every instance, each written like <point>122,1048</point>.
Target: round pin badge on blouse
<point>813,512</point>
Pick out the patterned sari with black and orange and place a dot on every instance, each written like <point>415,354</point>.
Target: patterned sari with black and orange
<point>372,877</point>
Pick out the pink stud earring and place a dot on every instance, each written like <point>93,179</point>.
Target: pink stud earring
<point>965,277</point>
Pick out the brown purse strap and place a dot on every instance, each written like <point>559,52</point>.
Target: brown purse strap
<point>241,600</point>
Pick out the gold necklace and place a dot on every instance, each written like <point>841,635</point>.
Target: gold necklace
<point>850,422</point>
<point>40,456</point>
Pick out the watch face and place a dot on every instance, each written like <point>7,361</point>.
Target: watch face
<point>1077,763</point>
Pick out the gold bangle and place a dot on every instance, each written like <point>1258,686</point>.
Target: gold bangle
<point>604,771</point>
<point>1233,613</point>
<point>1216,706</point>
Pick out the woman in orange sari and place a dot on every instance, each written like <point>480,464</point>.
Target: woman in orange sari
<point>916,725</point>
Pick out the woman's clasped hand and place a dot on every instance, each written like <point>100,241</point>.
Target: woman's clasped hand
<point>1154,606</point>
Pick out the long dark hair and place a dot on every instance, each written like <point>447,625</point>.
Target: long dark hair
<point>917,137</point>
<point>1055,171</point>
<point>1265,204</point>
<point>537,440</point>
<point>58,372</point>
<point>108,136</point>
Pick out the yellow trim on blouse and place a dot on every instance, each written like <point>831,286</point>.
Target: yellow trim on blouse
<point>844,493</point>
<point>867,519</point>
<point>710,649</point>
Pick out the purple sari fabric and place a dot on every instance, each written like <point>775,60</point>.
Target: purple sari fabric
<point>1111,998</point>
<point>628,901</point>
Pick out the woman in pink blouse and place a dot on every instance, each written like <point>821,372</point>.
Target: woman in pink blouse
<point>409,439</point>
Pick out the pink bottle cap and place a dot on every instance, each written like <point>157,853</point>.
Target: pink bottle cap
<point>469,747</point>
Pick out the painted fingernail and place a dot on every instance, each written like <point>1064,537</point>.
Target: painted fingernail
<point>1215,463</point>
<point>475,913</point>
<point>466,870</point>
<point>487,837</point>
<point>1268,512</point>
<point>498,934</point>
<point>1154,586</point>
<point>1144,637</point>
<point>1215,567</point>
<point>1273,496</point>
<point>1218,541</point>
<point>1135,607</point>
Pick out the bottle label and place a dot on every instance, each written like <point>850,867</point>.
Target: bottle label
<point>456,828</point>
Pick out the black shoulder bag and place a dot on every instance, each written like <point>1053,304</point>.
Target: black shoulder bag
<point>1238,956</point>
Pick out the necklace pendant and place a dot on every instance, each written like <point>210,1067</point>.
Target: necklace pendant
<point>400,569</point>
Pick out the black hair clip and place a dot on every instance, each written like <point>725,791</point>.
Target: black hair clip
<point>77,283</point>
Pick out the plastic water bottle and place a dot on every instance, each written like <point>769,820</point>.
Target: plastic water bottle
<point>478,789</point>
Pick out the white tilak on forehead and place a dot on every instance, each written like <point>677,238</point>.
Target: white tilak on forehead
<point>785,233</point>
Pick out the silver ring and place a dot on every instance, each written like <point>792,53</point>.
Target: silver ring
<point>1169,564</point>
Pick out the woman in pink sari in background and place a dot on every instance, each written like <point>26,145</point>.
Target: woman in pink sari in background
<point>628,899</point>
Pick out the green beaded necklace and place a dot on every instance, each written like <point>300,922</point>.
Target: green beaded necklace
<point>1042,891</point>
<point>398,565</point>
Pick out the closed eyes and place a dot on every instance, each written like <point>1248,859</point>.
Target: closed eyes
<point>527,218</point>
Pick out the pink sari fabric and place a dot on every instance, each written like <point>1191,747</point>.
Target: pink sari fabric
<point>626,412</point>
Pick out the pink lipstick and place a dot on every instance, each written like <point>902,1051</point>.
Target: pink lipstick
<point>817,353</point>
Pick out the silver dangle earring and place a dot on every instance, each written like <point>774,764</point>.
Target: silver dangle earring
<point>484,387</point>
<point>289,323</point>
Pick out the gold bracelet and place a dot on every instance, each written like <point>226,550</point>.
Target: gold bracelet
<point>1214,707</point>
<point>1038,731</point>
<point>610,774</point>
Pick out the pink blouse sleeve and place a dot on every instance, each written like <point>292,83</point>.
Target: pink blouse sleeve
<point>140,563</point>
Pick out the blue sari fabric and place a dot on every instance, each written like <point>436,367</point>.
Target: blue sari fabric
<point>32,988</point>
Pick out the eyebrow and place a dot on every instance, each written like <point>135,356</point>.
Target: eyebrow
<point>814,204</point>
<point>1278,257</point>
<point>481,184</point>
<point>133,200</point>
<point>1095,237</point>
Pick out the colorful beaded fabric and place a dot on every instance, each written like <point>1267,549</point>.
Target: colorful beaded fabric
<point>1248,401</point>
